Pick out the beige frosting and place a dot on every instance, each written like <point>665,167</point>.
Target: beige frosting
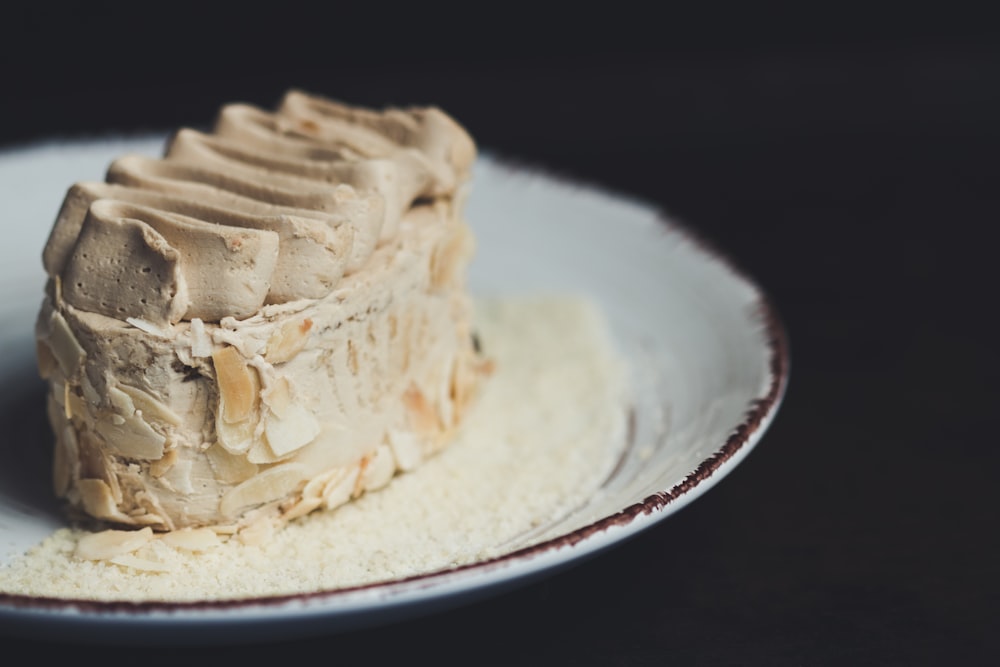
<point>269,319</point>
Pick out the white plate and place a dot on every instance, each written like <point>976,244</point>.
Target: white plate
<point>711,349</point>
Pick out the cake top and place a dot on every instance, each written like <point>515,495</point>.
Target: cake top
<point>269,206</point>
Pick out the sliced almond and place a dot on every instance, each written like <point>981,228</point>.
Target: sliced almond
<point>293,431</point>
<point>148,327</point>
<point>288,341</point>
<point>256,533</point>
<point>301,508</point>
<point>134,562</point>
<point>108,544</point>
<point>260,453</point>
<point>120,401</point>
<point>58,392</point>
<point>379,469</point>
<point>229,468</point>
<point>201,342</point>
<point>179,476</point>
<point>271,484</point>
<point>235,438</point>
<point>65,347</point>
<point>151,407</point>
<point>131,437</point>
<point>192,539</point>
<point>46,360</point>
<point>75,406</point>
<point>238,385</point>
<point>160,467</point>
<point>423,417</point>
<point>98,500</point>
<point>314,487</point>
<point>340,487</point>
<point>278,395</point>
<point>407,449</point>
<point>90,394</point>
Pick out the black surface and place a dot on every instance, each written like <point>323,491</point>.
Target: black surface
<point>847,160</point>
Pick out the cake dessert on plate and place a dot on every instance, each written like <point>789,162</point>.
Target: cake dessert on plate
<point>268,319</point>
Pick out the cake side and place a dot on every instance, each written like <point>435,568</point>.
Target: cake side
<point>244,331</point>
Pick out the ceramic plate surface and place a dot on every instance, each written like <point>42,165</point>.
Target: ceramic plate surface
<point>708,353</point>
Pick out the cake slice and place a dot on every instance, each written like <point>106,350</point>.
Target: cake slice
<point>268,319</point>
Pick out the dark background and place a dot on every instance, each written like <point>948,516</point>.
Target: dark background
<point>845,156</point>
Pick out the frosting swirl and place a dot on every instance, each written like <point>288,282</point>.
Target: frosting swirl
<point>270,206</point>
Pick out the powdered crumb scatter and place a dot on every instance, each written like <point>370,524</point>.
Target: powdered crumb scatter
<point>543,435</point>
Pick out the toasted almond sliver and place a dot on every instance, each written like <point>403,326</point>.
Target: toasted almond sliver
<point>201,342</point>
<point>260,453</point>
<point>314,487</point>
<point>65,347</point>
<point>339,489</point>
<point>98,499</point>
<point>296,430</point>
<point>238,385</point>
<point>301,508</point>
<point>423,417</point>
<point>147,326</point>
<point>229,468</point>
<point>45,359</point>
<point>379,469</point>
<point>160,467</point>
<point>407,449</point>
<point>91,394</point>
<point>271,484</point>
<point>257,533</point>
<point>108,544</point>
<point>278,395</point>
<point>192,539</point>
<point>131,437</point>
<point>150,407</point>
<point>288,341</point>
<point>121,401</point>
<point>235,438</point>
<point>133,562</point>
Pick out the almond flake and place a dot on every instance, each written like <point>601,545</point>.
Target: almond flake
<point>423,417</point>
<point>142,564</point>
<point>271,484</point>
<point>192,539</point>
<point>108,544</point>
<point>65,347</point>
<point>379,469</point>
<point>132,437</point>
<point>150,406</point>
<point>201,342</point>
<point>301,508</point>
<point>288,341</point>
<point>238,385</point>
<point>235,438</point>
<point>339,489</point>
<point>293,431</point>
<point>406,448</point>
<point>98,499</point>
<point>229,468</point>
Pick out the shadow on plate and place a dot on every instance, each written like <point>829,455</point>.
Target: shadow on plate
<point>25,444</point>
